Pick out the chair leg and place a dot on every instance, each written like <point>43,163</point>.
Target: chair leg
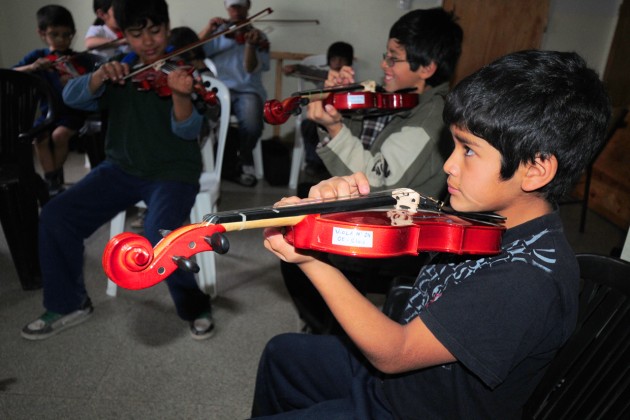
<point>116,226</point>
<point>206,278</point>
<point>296,160</point>
<point>258,160</point>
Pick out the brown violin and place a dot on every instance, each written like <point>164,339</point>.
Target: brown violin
<point>345,99</point>
<point>412,223</point>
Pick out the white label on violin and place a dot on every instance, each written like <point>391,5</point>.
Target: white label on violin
<point>352,237</point>
<point>356,99</point>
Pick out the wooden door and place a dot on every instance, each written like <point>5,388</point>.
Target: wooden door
<point>494,28</point>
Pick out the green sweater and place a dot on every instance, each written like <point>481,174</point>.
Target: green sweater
<point>140,138</point>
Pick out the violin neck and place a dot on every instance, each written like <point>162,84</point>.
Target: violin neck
<point>309,207</point>
<point>367,86</point>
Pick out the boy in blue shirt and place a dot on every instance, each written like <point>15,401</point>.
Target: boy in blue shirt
<point>152,154</point>
<point>56,29</point>
<point>475,334</point>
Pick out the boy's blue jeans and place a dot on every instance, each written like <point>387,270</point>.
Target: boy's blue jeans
<point>304,376</point>
<point>71,217</point>
<point>248,109</point>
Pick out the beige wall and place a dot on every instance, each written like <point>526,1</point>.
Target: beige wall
<point>585,26</point>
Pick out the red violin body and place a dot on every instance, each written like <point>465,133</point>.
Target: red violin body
<point>131,262</point>
<point>276,112</point>
<point>394,233</point>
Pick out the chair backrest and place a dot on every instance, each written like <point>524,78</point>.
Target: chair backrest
<point>590,376</point>
<point>212,163</point>
<point>318,60</point>
<point>211,66</point>
<point>20,97</point>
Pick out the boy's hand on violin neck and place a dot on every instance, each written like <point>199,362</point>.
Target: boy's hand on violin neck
<point>214,23</point>
<point>341,186</point>
<point>254,37</point>
<point>326,116</point>
<point>181,82</point>
<point>343,76</point>
<point>41,64</point>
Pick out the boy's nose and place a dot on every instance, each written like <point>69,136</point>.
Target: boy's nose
<point>449,166</point>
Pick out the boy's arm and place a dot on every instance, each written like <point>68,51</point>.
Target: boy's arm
<point>39,64</point>
<point>185,121</point>
<point>389,346</point>
<point>256,53</point>
<point>77,94</point>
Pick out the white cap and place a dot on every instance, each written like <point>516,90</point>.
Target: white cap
<point>229,3</point>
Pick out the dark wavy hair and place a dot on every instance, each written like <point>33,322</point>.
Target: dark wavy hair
<point>103,5</point>
<point>533,104</point>
<point>430,35</point>
<point>134,13</point>
<point>54,15</point>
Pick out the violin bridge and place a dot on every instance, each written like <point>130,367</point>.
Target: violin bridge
<point>408,199</point>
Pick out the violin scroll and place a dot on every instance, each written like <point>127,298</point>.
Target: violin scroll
<point>131,262</point>
<point>276,112</point>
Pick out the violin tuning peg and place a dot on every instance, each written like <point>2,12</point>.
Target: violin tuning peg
<point>186,264</point>
<point>218,242</point>
<point>164,232</point>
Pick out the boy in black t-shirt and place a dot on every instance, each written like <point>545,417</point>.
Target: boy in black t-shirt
<point>476,333</point>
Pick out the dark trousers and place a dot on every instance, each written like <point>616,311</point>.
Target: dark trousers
<point>71,217</point>
<point>315,377</point>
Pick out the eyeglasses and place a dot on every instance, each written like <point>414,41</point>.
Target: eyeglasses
<point>391,61</point>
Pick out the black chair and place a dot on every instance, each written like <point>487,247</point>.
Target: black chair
<point>590,376</point>
<point>20,186</point>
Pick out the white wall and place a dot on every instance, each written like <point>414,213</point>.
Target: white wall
<point>585,26</point>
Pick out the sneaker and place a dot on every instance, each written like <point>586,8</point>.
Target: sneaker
<point>50,323</point>
<point>243,179</point>
<point>138,222</point>
<point>202,328</point>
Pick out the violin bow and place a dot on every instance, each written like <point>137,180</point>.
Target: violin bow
<point>235,27</point>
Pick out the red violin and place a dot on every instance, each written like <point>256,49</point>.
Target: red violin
<point>156,79</point>
<point>74,64</point>
<point>416,224</point>
<point>345,99</point>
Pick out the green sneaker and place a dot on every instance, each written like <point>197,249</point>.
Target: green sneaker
<point>50,323</point>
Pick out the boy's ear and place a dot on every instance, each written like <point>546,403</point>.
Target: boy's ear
<point>428,70</point>
<point>539,173</point>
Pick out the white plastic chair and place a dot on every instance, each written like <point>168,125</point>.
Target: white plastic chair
<point>297,159</point>
<point>209,191</point>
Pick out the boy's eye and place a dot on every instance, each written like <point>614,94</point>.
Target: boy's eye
<point>468,151</point>
<point>155,29</point>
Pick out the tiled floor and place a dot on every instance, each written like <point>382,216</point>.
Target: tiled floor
<point>135,359</point>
